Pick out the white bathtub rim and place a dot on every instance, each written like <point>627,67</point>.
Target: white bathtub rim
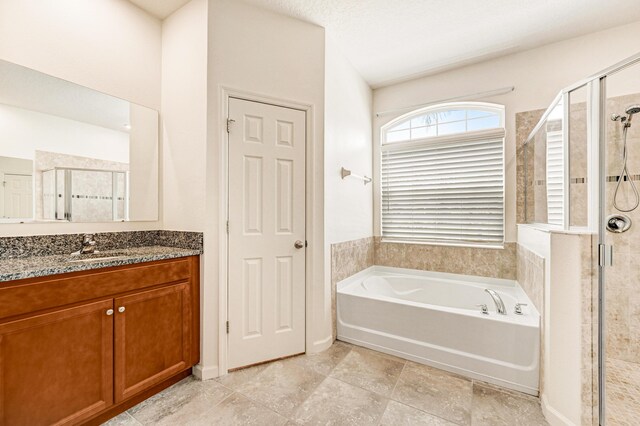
<point>531,319</point>
<point>445,276</point>
<point>442,366</point>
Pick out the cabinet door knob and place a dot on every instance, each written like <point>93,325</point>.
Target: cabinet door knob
<point>121,309</point>
<point>109,311</point>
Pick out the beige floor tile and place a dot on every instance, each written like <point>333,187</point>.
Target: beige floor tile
<point>497,407</point>
<point>324,362</point>
<point>338,403</point>
<point>436,392</point>
<point>374,352</point>
<point>282,386</point>
<point>398,414</point>
<point>123,419</point>
<point>239,410</point>
<point>180,403</point>
<point>239,377</point>
<point>369,370</point>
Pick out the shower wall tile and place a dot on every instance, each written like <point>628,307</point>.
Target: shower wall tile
<point>525,122</point>
<point>530,275</point>
<point>45,160</point>
<point>622,279</point>
<point>348,258</point>
<point>484,262</point>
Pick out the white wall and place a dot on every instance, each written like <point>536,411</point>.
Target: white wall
<point>562,398</point>
<point>348,143</point>
<point>537,74</point>
<point>184,116</point>
<point>259,52</point>
<point>184,151</point>
<point>107,45</point>
<point>23,132</point>
<point>144,163</point>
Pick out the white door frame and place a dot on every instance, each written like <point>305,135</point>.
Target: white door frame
<point>314,249</point>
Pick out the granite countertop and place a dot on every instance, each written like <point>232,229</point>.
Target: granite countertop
<point>38,266</point>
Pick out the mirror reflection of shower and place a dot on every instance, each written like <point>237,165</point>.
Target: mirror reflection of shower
<point>624,173</point>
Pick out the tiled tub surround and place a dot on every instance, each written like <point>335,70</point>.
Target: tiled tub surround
<point>348,258</point>
<point>35,256</point>
<point>482,262</point>
<point>351,257</point>
<point>530,275</point>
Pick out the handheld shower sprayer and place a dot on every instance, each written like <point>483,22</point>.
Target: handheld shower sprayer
<point>624,173</point>
<point>631,110</point>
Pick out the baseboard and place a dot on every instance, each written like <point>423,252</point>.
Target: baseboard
<point>320,345</point>
<point>205,373</point>
<point>552,415</point>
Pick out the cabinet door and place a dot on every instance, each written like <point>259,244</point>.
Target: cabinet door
<point>152,338</point>
<point>57,368</point>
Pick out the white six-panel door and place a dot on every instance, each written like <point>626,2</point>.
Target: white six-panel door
<point>18,196</point>
<point>266,288</point>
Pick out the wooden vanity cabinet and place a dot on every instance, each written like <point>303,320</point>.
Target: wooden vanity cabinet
<point>100,351</point>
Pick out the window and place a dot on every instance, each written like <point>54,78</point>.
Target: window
<point>442,175</point>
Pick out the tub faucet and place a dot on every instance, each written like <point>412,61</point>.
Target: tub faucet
<point>498,301</point>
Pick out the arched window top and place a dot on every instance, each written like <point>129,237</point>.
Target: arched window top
<point>444,119</point>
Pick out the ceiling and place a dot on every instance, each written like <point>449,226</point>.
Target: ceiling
<point>393,40</point>
<point>160,8</point>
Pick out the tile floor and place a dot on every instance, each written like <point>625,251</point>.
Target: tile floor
<point>623,392</point>
<point>345,385</point>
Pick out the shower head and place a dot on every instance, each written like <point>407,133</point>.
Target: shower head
<point>632,109</point>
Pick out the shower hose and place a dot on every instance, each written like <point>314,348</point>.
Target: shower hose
<point>624,172</point>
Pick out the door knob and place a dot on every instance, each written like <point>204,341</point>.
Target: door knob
<point>298,244</point>
<point>121,309</point>
<point>109,311</point>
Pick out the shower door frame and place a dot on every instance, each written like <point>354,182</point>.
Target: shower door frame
<point>596,178</point>
<point>68,211</point>
<point>598,119</point>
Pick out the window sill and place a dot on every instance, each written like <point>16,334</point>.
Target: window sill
<point>445,244</point>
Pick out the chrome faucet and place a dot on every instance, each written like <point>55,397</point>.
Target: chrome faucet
<point>498,301</point>
<point>88,244</point>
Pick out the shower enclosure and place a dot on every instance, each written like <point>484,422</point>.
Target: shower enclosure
<point>581,172</point>
<point>85,195</point>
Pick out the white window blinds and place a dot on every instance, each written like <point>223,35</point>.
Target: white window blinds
<point>555,177</point>
<point>445,189</point>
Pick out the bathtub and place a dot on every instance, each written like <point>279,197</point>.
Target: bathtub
<point>433,318</point>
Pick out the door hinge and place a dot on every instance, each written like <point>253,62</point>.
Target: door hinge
<point>227,227</point>
<point>227,327</point>
<point>229,121</point>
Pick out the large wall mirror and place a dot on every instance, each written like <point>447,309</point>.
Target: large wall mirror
<point>70,153</point>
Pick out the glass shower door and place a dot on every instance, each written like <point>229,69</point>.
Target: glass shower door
<point>620,230</point>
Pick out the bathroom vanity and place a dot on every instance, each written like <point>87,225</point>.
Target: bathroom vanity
<point>81,346</point>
